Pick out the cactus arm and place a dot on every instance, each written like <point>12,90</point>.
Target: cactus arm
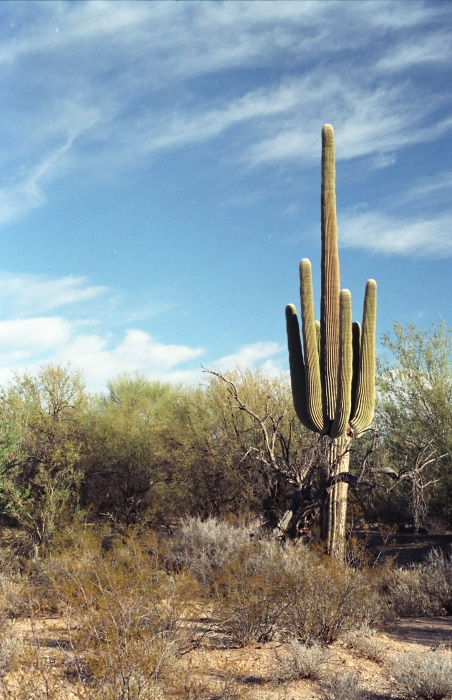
<point>344,391</point>
<point>296,364</point>
<point>356,349</point>
<point>311,353</point>
<point>365,392</point>
<point>330,311</point>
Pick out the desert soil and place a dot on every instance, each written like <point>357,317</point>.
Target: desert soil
<point>248,671</point>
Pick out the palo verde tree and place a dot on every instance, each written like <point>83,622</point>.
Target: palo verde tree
<point>131,461</point>
<point>333,369</point>
<point>42,440</point>
<point>414,406</point>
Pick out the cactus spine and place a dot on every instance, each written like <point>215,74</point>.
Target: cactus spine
<point>333,367</point>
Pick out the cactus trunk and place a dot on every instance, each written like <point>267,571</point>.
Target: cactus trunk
<point>332,367</point>
<point>334,512</point>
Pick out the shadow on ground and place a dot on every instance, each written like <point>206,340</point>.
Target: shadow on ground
<point>405,548</point>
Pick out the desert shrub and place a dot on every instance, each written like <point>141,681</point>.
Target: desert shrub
<point>364,641</point>
<point>9,646</point>
<point>13,599</point>
<point>124,615</point>
<point>250,595</point>
<point>300,661</point>
<point>404,592</point>
<point>424,675</point>
<point>203,546</point>
<point>422,589</point>
<point>329,599</point>
<point>263,590</point>
<point>437,579</point>
<point>341,687</point>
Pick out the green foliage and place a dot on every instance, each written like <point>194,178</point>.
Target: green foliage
<point>131,461</point>
<point>414,417</point>
<point>41,446</point>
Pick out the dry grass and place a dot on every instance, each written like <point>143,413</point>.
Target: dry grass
<point>364,640</point>
<point>342,686</point>
<point>300,661</point>
<point>420,590</point>
<point>129,619</point>
<point>424,675</point>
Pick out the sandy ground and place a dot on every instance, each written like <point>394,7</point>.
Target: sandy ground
<point>247,672</point>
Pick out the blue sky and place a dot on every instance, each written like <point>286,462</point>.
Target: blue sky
<point>160,175</point>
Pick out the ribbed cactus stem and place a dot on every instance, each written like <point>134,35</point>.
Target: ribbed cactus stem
<point>297,369</point>
<point>365,391</point>
<point>311,351</point>
<point>333,370</point>
<point>329,308</point>
<point>344,389</point>
<point>336,505</point>
<point>356,350</point>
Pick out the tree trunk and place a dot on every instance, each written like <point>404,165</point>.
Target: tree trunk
<point>334,511</point>
<point>286,521</point>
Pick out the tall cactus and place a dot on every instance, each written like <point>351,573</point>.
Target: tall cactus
<point>332,367</point>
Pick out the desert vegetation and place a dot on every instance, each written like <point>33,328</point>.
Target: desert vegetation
<point>141,547</point>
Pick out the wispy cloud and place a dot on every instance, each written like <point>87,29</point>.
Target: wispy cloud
<point>22,294</point>
<point>256,354</point>
<point>368,121</point>
<point>433,49</point>
<point>436,189</point>
<point>129,90</point>
<point>381,233</point>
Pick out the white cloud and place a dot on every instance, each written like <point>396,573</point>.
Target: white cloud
<point>31,343</point>
<point>31,336</point>
<point>388,234</point>
<point>436,48</point>
<point>140,348</point>
<point>101,360</point>
<point>253,355</point>
<point>39,294</point>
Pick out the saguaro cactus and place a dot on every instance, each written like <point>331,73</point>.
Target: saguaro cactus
<point>333,367</point>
